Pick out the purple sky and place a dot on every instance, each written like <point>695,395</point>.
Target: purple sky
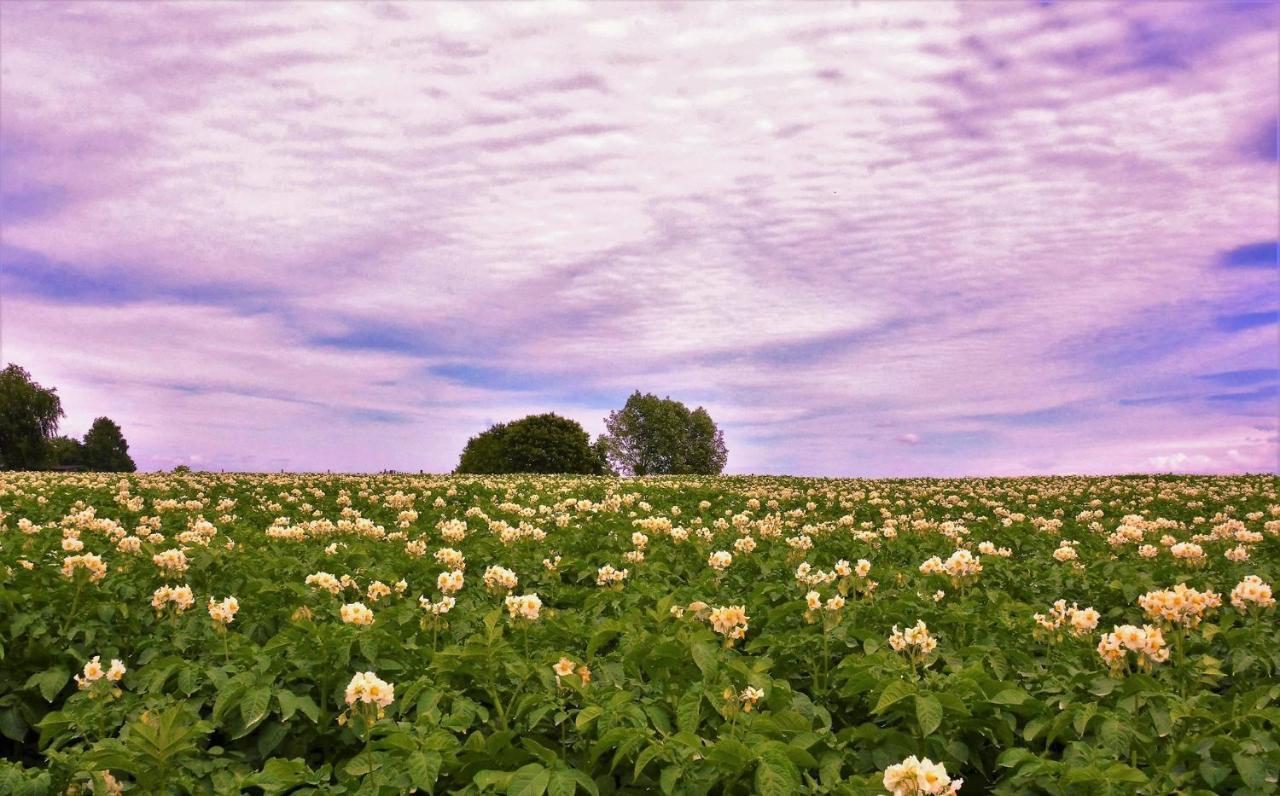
<point>873,239</point>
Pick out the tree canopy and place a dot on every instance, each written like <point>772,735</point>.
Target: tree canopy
<point>104,448</point>
<point>656,436</point>
<point>544,443</point>
<point>29,415</point>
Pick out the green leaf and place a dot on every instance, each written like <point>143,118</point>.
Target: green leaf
<point>11,724</point>
<point>1119,772</point>
<point>928,713</point>
<point>1213,772</point>
<point>228,696</point>
<point>829,769</point>
<point>776,775</point>
<point>1012,758</point>
<point>1251,770</point>
<point>280,775</point>
<point>688,711</point>
<point>50,682</point>
<point>1010,696</point>
<point>667,779</point>
<point>562,783</point>
<point>424,769</point>
<point>530,780</point>
<point>704,655</point>
<point>644,758</point>
<point>895,691</point>
<point>587,715</point>
<point>255,706</point>
<point>730,754</point>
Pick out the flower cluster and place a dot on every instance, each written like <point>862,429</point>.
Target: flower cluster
<point>326,581</point>
<point>93,672</point>
<point>366,688</point>
<point>748,697</point>
<point>565,667</point>
<point>527,607</point>
<point>174,561</point>
<point>1180,605</point>
<point>1066,551</point>
<point>915,642</point>
<point>1083,621</point>
<point>915,777</point>
<point>608,576</point>
<point>357,614</point>
<point>452,530</point>
<point>1146,642</point>
<point>806,575</point>
<point>1188,552</point>
<point>499,579</point>
<point>90,562</point>
<point>1252,592</point>
<point>729,621</point>
<point>450,582</point>
<point>961,566</point>
<point>720,560</point>
<point>224,611</point>
<point>989,549</point>
<point>813,601</point>
<point>437,609</point>
<point>181,597</point>
<point>451,558</point>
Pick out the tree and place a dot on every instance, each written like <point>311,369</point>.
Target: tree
<point>29,417</point>
<point>105,449</point>
<point>655,436</point>
<point>66,452</point>
<point>535,444</point>
<point>600,450</point>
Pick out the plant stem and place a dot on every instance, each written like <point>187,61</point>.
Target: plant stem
<point>825,657</point>
<point>368,750</point>
<point>75,603</point>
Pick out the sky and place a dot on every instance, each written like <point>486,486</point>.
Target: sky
<point>872,239</point>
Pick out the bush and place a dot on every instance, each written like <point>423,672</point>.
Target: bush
<point>536,444</point>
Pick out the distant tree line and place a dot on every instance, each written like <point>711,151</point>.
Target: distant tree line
<point>647,436</point>
<point>29,417</point>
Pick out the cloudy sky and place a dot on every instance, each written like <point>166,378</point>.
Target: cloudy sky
<point>872,239</point>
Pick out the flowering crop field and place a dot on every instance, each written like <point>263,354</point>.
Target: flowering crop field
<point>209,633</point>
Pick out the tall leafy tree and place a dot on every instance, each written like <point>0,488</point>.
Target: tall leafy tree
<point>657,436</point>
<point>29,415</point>
<point>105,449</point>
<point>544,443</point>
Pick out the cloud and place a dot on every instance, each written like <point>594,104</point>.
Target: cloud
<point>909,439</point>
<point>1178,462</point>
<point>350,235</point>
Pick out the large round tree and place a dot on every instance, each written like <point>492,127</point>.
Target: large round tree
<point>660,436</point>
<point>535,444</point>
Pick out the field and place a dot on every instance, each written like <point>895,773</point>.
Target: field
<point>212,633</point>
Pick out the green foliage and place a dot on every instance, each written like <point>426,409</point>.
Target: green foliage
<point>105,450</point>
<point>259,707</point>
<point>29,415</point>
<point>66,452</point>
<point>544,443</point>
<point>660,436</point>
